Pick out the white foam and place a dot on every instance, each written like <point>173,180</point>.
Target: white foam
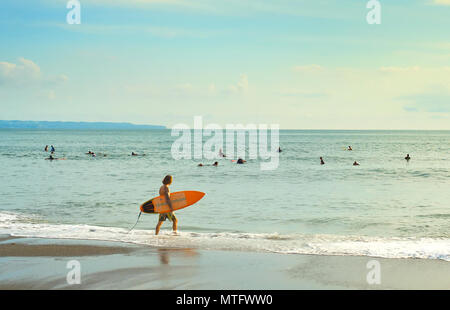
<point>426,248</point>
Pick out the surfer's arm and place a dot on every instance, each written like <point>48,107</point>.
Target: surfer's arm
<point>166,194</point>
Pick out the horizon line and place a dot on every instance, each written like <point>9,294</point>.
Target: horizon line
<point>168,128</point>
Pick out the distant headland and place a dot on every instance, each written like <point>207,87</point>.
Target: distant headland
<point>13,124</point>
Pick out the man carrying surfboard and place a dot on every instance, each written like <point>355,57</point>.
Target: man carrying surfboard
<point>165,191</point>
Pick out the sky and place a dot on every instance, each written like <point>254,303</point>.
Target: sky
<point>300,64</point>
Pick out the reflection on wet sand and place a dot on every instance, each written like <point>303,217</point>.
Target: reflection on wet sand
<point>164,254</point>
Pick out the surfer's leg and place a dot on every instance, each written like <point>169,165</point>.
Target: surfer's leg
<point>175,223</point>
<point>158,227</point>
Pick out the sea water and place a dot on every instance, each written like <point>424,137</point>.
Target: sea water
<point>385,207</point>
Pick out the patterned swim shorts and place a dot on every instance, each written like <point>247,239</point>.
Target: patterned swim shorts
<point>164,216</point>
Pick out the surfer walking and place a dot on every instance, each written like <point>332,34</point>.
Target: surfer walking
<point>165,191</point>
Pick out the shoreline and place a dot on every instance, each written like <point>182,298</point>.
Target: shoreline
<point>37,263</point>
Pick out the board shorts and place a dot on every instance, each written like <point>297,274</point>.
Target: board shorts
<point>164,216</point>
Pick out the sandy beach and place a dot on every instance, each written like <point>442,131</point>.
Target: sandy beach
<point>32,263</point>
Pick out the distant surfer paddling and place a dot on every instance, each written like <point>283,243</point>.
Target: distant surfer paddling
<point>165,191</point>
<point>54,158</point>
<point>241,161</point>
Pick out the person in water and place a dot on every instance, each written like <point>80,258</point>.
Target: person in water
<point>279,150</point>
<point>215,164</point>
<point>134,154</point>
<point>407,157</point>
<point>46,148</point>
<point>165,191</point>
<point>355,163</point>
<point>53,158</point>
<point>241,161</point>
<point>321,161</point>
<point>50,157</point>
<point>52,149</point>
<point>349,148</point>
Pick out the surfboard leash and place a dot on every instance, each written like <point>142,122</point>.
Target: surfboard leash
<point>136,222</point>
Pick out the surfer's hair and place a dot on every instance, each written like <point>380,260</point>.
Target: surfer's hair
<point>167,180</point>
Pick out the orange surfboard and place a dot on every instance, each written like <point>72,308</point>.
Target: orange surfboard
<point>179,201</point>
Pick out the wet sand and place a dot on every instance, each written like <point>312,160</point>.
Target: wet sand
<point>27,263</point>
<point>58,250</point>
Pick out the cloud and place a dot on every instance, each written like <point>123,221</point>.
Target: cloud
<point>428,102</point>
<point>399,69</point>
<point>200,5</point>
<point>24,81</point>
<point>24,72</point>
<point>126,29</point>
<point>27,73</point>
<point>441,2</point>
<point>303,94</point>
<point>241,86</point>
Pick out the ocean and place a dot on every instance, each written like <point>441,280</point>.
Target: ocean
<point>386,207</point>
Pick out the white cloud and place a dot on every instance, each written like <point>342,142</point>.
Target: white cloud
<point>441,2</point>
<point>21,73</point>
<point>399,69</point>
<point>241,86</point>
<point>25,81</point>
<point>27,73</point>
